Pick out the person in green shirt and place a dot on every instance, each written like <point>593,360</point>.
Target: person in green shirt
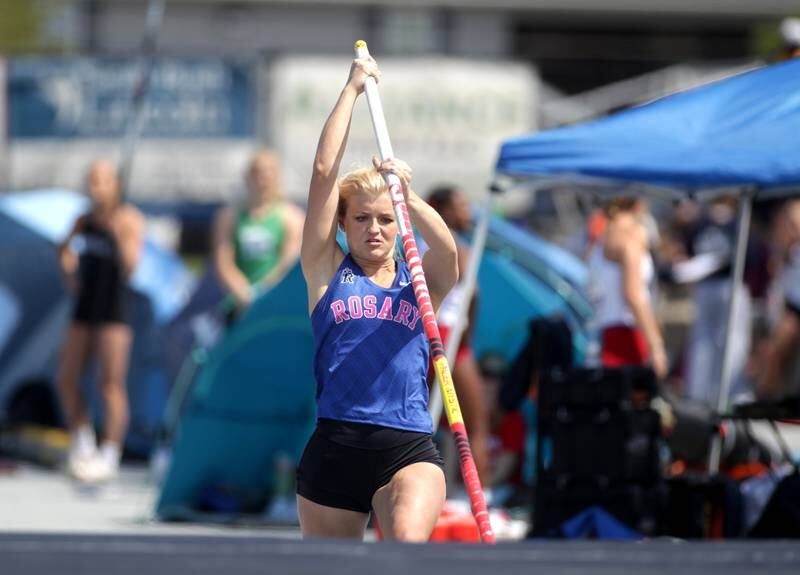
<point>255,244</point>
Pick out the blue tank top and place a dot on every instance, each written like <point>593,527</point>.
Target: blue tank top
<point>371,354</point>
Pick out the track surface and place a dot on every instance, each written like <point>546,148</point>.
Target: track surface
<point>155,555</point>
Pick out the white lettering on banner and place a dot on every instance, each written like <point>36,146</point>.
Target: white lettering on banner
<point>91,97</point>
<point>198,124</point>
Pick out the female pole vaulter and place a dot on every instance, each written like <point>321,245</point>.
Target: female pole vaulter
<point>372,449</point>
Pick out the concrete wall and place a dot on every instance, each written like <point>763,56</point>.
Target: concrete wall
<point>481,34</point>
<point>242,32</point>
<point>249,29</point>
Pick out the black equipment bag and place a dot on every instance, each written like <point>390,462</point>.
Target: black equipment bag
<point>704,507</point>
<point>598,443</point>
<point>549,346</point>
<point>781,517</point>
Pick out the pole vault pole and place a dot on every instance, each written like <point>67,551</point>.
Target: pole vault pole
<point>467,463</point>
<point>133,124</point>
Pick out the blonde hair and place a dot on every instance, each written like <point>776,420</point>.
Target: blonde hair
<point>362,180</point>
<point>619,205</point>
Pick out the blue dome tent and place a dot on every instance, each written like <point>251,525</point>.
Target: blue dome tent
<point>252,403</point>
<point>521,277</point>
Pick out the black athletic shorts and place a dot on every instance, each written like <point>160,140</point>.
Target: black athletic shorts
<point>345,463</point>
<point>99,308</point>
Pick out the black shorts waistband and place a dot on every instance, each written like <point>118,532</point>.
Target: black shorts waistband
<point>366,435</point>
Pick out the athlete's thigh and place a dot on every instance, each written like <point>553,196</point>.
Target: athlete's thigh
<point>76,350</point>
<point>322,521</point>
<point>408,506</point>
<point>113,346</point>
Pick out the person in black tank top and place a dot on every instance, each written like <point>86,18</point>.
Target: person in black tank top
<point>97,257</point>
<point>101,277</point>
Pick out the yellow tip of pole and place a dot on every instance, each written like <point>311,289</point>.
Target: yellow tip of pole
<point>360,44</point>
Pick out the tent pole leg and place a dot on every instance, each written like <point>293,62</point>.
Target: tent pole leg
<point>745,212</point>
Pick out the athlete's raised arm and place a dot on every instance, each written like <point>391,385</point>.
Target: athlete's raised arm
<point>319,251</point>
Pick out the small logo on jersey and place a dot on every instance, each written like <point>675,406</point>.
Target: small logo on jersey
<point>347,276</point>
<point>403,284</point>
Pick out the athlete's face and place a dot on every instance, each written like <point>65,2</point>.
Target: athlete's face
<point>262,178</point>
<point>102,184</point>
<point>370,227</point>
<point>457,214</point>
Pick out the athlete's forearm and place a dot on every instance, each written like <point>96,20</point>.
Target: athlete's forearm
<point>780,347</point>
<point>233,280</point>
<point>633,293</point>
<point>130,252</point>
<point>67,258</point>
<point>646,320</point>
<point>128,229</point>
<point>440,241</point>
<point>432,227</point>
<point>333,139</point>
<point>276,274</point>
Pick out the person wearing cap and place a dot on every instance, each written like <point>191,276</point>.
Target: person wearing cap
<point>790,32</point>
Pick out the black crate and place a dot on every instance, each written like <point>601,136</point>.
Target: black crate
<point>604,447</point>
<point>599,443</point>
<point>589,388</point>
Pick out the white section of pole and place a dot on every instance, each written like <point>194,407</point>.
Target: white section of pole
<point>376,111</point>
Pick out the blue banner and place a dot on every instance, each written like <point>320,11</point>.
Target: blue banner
<point>91,98</point>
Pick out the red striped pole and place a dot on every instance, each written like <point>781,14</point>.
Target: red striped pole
<point>468,470</point>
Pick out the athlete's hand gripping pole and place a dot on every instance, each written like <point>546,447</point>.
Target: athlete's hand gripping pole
<point>454,418</point>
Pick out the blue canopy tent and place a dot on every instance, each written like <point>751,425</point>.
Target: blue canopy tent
<point>736,135</point>
<point>741,132</point>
